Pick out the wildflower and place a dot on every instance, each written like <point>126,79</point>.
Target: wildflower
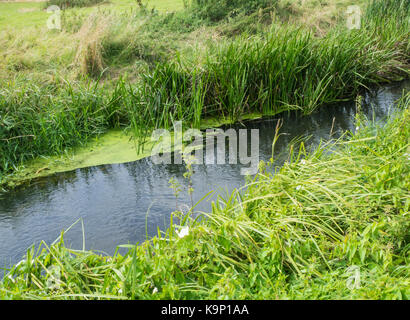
<point>155,290</point>
<point>298,188</point>
<point>184,232</point>
<point>303,161</point>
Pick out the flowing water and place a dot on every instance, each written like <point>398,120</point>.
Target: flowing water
<point>125,203</point>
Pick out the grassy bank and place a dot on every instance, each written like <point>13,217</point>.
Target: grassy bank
<point>327,225</point>
<point>282,68</point>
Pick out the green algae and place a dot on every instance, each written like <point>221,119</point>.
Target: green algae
<point>114,147</point>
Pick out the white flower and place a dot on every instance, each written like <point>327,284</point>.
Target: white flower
<point>120,291</point>
<point>183,232</point>
<point>357,128</point>
<point>298,187</point>
<point>303,161</point>
<point>155,290</point>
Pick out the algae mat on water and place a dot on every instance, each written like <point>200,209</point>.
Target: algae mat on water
<point>113,147</point>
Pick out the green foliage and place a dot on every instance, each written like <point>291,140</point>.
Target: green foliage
<point>38,121</point>
<point>301,233</point>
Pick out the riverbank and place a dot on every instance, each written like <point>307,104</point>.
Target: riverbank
<point>277,68</point>
<point>327,225</point>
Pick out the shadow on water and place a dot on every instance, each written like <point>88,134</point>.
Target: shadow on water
<point>114,200</point>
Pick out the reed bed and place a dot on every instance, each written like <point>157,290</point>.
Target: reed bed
<point>287,68</point>
<point>331,224</point>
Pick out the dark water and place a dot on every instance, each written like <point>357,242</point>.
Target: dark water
<point>116,201</point>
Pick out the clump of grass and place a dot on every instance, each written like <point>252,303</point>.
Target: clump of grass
<point>377,10</point>
<point>108,41</point>
<point>331,224</point>
<point>89,56</point>
<point>132,38</point>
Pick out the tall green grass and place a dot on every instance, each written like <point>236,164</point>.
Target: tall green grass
<point>331,224</point>
<point>288,68</point>
<point>377,11</point>
<point>38,120</point>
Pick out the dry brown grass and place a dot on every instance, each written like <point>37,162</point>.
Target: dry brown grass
<point>89,57</point>
<point>318,15</point>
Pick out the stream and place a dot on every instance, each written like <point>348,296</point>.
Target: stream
<point>125,203</point>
